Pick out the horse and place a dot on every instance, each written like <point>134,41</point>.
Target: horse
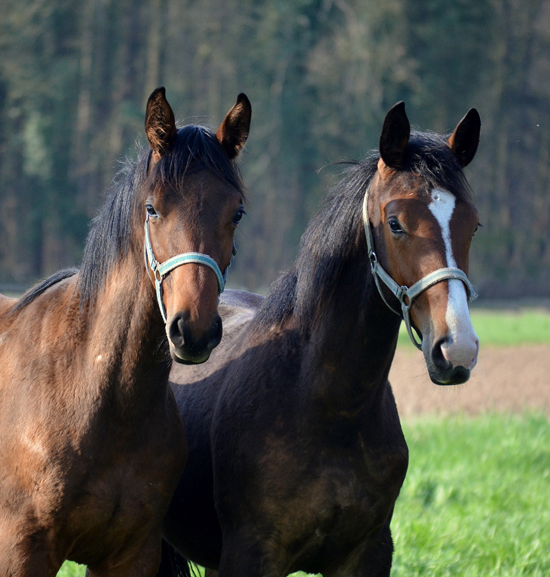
<point>92,443</point>
<point>296,453</point>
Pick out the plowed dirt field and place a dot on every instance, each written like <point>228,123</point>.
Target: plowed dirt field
<point>506,379</point>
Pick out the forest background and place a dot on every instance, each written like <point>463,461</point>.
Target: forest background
<point>321,74</point>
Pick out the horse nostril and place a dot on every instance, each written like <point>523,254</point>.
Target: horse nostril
<point>217,332</point>
<point>175,330</point>
<point>438,358</point>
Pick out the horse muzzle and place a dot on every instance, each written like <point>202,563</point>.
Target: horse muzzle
<point>185,346</point>
<point>450,361</point>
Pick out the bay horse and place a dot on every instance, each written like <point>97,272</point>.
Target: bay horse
<point>92,443</point>
<point>296,453</point>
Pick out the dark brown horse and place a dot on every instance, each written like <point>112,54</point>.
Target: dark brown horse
<point>91,441</point>
<point>296,451</point>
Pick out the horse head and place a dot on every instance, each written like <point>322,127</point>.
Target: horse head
<point>193,205</point>
<point>421,226</point>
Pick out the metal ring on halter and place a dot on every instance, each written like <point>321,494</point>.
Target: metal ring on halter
<point>410,293</point>
<point>160,270</point>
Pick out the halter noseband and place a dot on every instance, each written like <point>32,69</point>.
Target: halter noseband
<point>406,295</point>
<point>160,270</point>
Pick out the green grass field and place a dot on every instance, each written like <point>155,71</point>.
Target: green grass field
<point>476,500</point>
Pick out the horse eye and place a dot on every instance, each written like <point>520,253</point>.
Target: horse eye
<point>238,216</point>
<point>477,227</point>
<point>151,210</point>
<point>395,226</point>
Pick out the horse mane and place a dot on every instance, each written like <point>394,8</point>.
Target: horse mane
<point>43,286</point>
<point>110,237</point>
<point>330,240</point>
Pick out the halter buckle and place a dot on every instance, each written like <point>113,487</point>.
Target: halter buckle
<point>404,294</point>
<point>373,259</point>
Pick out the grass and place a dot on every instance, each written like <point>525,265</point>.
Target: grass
<point>475,500</point>
<point>504,328</point>
<point>71,569</point>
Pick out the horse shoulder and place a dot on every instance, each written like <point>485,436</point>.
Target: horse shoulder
<point>28,368</point>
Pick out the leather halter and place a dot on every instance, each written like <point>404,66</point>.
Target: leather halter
<point>407,295</point>
<point>160,270</point>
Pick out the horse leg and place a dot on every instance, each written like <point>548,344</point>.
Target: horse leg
<point>373,560</point>
<point>174,565</point>
<point>141,560</point>
<point>242,556</point>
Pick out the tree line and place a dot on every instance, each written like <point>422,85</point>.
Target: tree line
<point>321,74</point>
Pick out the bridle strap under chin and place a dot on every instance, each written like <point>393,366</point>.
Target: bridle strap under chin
<point>407,295</point>
<point>160,270</point>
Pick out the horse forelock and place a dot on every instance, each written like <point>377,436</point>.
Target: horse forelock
<point>335,235</point>
<point>195,147</point>
<point>429,156</point>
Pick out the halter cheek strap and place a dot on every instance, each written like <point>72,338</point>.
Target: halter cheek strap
<point>160,270</point>
<point>407,295</point>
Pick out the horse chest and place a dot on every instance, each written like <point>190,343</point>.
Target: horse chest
<point>356,494</point>
<point>337,503</point>
<point>108,489</point>
<point>115,502</point>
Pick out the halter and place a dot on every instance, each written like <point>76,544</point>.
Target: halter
<point>406,295</point>
<point>160,270</point>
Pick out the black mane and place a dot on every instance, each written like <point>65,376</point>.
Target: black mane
<point>330,239</point>
<point>42,286</point>
<point>111,233</point>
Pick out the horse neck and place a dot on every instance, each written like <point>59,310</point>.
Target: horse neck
<point>124,334</point>
<point>352,342</point>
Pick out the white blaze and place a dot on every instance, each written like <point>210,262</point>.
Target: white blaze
<point>463,344</point>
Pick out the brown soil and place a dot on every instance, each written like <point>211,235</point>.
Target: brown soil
<point>505,379</point>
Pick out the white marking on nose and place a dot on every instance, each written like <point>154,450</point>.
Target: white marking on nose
<point>462,345</point>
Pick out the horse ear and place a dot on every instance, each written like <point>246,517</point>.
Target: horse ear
<point>395,136</point>
<point>233,131</point>
<point>160,124</point>
<point>465,138</point>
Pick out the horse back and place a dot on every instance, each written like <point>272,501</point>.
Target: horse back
<point>241,300</point>
<point>237,308</point>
